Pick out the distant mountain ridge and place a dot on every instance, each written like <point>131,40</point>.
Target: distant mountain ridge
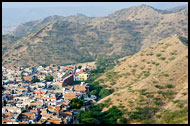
<point>32,26</point>
<point>176,9</point>
<point>78,38</point>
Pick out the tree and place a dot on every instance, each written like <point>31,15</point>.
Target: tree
<point>122,120</point>
<point>35,79</point>
<point>88,121</point>
<point>105,92</point>
<point>105,62</point>
<point>77,103</point>
<point>79,67</point>
<point>49,78</point>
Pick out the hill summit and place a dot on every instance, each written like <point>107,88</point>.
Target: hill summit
<point>78,38</point>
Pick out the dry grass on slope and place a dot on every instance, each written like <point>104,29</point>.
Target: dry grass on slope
<point>156,76</point>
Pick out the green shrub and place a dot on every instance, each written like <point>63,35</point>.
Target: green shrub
<point>49,78</point>
<point>168,93</point>
<point>112,75</point>
<point>123,120</point>
<point>35,79</point>
<point>18,47</point>
<point>160,92</point>
<point>176,101</point>
<point>155,81</point>
<point>173,53</point>
<point>175,117</point>
<point>169,85</point>
<point>163,51</point>
<point>123,60</point>
<point>150,54</point>
<point>143,113</point>
<point>146,73</point>
<point>105,92</point>
<point>148,62</point>
<point>142,54</point>
<point>184,93</point>
<point>104,86</point>
<point>76,103</point>
<point>143,60</point>
<point>133,71</point>
<point>101,81</point>
<point>135,65</point>
<point>158,116</point>
<point>88,121</point>
<point>148,121</point>
<point>180,105</point>
<point>157,64</point>
<point>158,86</point>
<point>164,74</point>
<point>153,62</point>
<point>113,83</point>
<point>171,58</point>
<point>107,103</point>
<point>157,101</point>
<point>143,92</point>
<point>162,58</point>
<point>159,54</point>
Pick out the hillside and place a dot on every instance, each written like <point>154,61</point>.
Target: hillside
<point>31,26</point>
<point>7,41</point>
<point>175,9</point>
<point>152,24</point>
<point>77,38</point>
<point>152,85</point>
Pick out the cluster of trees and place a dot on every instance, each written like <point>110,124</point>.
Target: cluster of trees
<point>103,63</point>
<point>106,62</point>
<point>95,88</point>
<point>99,91</point>
<point>142,114</point>
<point>96,116</point>
<point>77,103</point>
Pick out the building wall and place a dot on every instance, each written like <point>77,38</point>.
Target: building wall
<point>83,76</point>
<point>69,80</point>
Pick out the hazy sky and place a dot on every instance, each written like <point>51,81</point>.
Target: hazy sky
<point>14,13</point>
<point>111,5</point>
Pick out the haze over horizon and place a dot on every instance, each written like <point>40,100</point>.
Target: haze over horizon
<point>158,5</point>
<point>15,13</point>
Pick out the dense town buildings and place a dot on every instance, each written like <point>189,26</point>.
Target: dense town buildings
<point>29,98</point>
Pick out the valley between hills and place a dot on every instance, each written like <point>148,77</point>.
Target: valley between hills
<point>147,49</point>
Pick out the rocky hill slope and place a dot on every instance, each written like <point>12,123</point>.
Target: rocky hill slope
<point>152,85</point>
<point>65,40</point>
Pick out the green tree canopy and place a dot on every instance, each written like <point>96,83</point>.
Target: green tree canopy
<point>76,103</point>
<point>49,78</point>
<point>35,79</point>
